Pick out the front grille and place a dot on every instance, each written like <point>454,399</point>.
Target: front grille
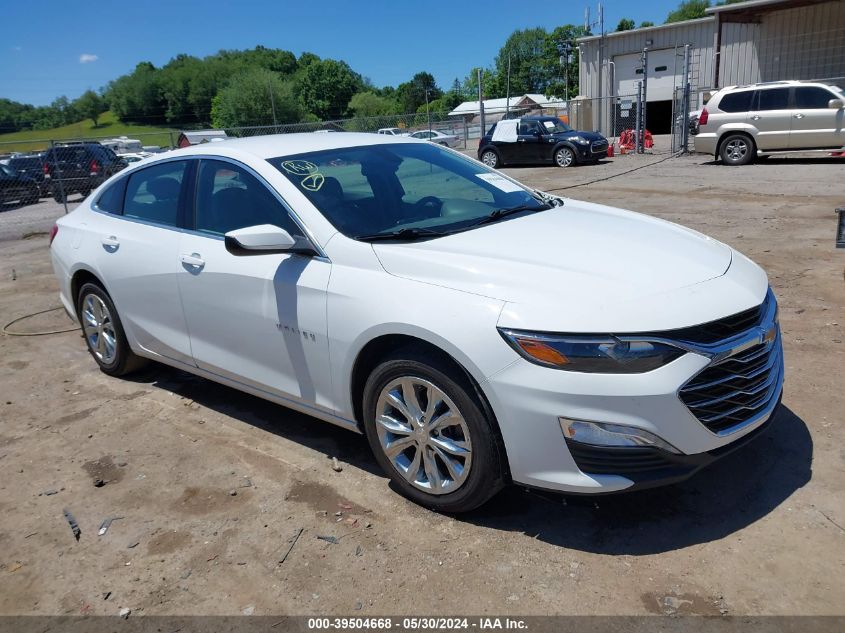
<point>599,146</point>
<point>721,329</point>
<point>734,390</point>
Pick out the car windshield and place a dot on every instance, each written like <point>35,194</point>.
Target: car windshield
<point>555,126</point>
<point>407,190</point>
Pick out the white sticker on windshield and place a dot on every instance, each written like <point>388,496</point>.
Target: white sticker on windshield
<point>500,182</point>
<point>549,124</point>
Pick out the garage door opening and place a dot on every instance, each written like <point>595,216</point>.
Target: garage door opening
<point>658,116</point>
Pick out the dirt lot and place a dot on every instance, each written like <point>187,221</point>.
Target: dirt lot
<point>211,485</point>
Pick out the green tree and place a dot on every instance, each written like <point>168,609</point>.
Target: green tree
<point>646,23</point>
<point>412,94</point>
<point>369,104</point>
<point>326,86</point>
<point>688,10</point>
<point>558,42</point>
<point>626,24</point>
<point>137,96</point>
<point>90,105</point>
<point>251,98</point>
<point>531,70</point>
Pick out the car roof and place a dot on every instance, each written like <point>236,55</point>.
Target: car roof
<point>274,145</point>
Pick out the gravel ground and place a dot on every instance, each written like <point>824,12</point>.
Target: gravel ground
<point>222,497</point>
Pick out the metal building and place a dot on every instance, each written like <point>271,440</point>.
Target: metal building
<point>746,42</point>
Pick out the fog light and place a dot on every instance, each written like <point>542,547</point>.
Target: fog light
<point>840,228</point>
<point>605,434</point>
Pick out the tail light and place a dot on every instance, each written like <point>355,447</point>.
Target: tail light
<point>95,168</point>
<point>53,233</point>
<point>46,169</point>
<point>703,117</point>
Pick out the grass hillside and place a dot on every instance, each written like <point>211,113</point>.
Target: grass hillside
<point>109,127</point>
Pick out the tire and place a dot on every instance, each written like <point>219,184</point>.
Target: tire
<point>103,332</point>
<point>564,156</point>
<point>59,195</point>
<point>737,149</point>
<point>33,197</point>
<point>455,468</point>
<point>490,158</point>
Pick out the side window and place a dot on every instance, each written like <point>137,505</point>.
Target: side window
<point>153,193</point>
<point>229,198</point>
<point>812,98</point>
<point>528,128</point>
<point>111,200</point>
<point>773,99</point>
<point>736,102</point>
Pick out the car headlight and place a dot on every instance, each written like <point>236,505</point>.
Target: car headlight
<point>591,354</point>
<point>579,139</point>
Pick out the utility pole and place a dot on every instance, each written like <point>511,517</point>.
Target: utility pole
<point>481,105</point>
<point>428,113</point>
<point>645,93</point>
<point>273,106</point>
<point>508,90</point>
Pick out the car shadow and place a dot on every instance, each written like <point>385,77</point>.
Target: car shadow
<point>729,495</point>
<point>723,498</point>
<point>315,434</point>
<point>785,160</point>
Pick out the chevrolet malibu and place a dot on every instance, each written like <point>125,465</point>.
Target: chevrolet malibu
<point>478,332</point>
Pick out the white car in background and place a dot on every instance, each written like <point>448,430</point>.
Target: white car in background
<point>392,131</point>
<point>478,332</point>
<point>435,136</point>
<point>134,157</point>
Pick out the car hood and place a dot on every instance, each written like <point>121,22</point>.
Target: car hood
<point>589,136</point>
<point>577,257</point>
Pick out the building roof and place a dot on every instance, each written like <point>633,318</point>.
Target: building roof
<point>499,106</point>
<point>645,29</point>
<point>763,5</point>
<point>200,136</point>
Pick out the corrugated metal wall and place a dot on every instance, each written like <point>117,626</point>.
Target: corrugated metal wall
<point>698,33</point>
<point>800,43</point>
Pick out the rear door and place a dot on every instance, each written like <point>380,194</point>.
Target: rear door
<point>137,235</point>
<point>814,124</point>
<point>771,115</point>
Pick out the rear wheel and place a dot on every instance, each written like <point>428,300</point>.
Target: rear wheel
<point>490,158</point>
<point>430,434</point>
<point>564,157</point>
<point>737,149</point>
<point>104,333</point>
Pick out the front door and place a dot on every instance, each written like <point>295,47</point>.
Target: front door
<point>257,319</point>
<point>814,124</point>
<point>530,145</point>
<point>771,114</point>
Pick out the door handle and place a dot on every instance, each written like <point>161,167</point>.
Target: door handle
<point>110,242</point>
<point>756,117</point>
<point>194,259</point>
<point>798,116</point>
<point>520,140</point>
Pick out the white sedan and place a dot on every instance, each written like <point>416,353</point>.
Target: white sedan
<point>435,136</point>
<point>478,332</point>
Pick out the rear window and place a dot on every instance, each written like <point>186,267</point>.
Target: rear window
<point>152,194</point>
<point>736,102</point>
<point>111,200</point>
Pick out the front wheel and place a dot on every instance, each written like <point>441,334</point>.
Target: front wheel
<point>737,149</point>
<point>430,434</point>
<point>564,157</point>
<point>104,333</point>
<point>490,158</point>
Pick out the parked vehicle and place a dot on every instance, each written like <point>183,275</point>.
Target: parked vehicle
<point>134,157</point>
<point>741,123</point>
<point>539,139</point>
<point>436,136</point>
<point>16,187</point>
<point>32,165</point>
<point>78,168</point>
<point>478,332</point>
<point>392,131</point>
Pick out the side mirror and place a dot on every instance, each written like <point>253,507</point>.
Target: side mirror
<point>836,104</point>
<point>262,239</point>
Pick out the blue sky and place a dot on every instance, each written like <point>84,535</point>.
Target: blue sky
<point>49,48</point>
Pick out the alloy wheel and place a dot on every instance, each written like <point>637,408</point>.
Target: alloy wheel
<point>564,157</point>
<point>423,435</point>
<point>99,329</point>
<point>736,149</point>
<point>490,159</point>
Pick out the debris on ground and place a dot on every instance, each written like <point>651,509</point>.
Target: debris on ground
<point>50,492</point>
<point>104,526</point>
<point>249,610</point>
<point>233,493</point>
<point>124,613</point>
<point>132,545</point>
<point>74,526</point>
<point>336,465</point>
<point>293,541</point>
<point>15,567</point>
<point>329,539</point>
<point>107,595</point>
<point>359,551</point>
<point>99,483</point>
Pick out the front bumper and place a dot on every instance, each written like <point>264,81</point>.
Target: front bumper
<point>670,402</point>
<point>594,150</point>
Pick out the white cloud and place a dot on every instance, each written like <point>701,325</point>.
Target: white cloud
<point>87,58</point>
